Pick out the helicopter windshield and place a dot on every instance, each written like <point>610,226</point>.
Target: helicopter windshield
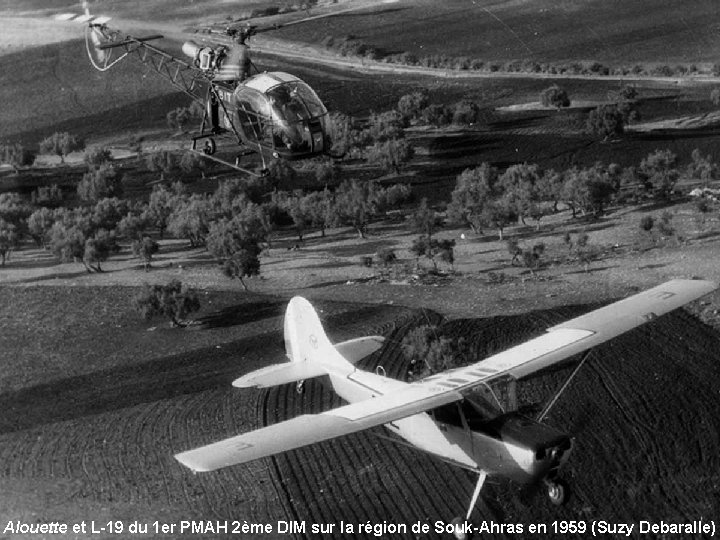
<point>295,100</point>
<point>280,110</point>
<point>254,112</point>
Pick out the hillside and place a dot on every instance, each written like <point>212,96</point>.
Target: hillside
<point>610,32</point>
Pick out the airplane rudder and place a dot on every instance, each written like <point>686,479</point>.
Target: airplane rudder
<point>304,333</point>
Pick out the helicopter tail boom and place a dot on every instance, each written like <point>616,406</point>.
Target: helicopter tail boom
<point>128,41</point>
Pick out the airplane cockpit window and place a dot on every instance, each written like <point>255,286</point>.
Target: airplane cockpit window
<point>475,409</point>
<point>453,413</point>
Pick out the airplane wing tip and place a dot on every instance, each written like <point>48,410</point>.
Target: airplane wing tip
<point>186,459</point>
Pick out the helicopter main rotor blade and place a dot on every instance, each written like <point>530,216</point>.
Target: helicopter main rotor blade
<point>250,29</point>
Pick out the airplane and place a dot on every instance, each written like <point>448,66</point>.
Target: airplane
<point>449,415</point>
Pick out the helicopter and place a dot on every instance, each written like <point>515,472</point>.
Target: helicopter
<point>273,114</point>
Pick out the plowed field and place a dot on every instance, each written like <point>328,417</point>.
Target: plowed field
<point>645,410</point>
<point>98,444</point>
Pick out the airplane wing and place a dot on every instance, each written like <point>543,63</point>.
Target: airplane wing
<point>559,343</point>
<point>311,428</point>
<point>576,335</point>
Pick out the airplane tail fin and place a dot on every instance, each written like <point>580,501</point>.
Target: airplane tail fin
<point>310,351</point>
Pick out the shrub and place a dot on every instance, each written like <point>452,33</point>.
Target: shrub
<point>554,96</point>
<point>243,263</point>
<point>514,249</point>
<point>658,170</point>
<point>665,227</point>
<point>411,105</point>
<point>715,96</point>
<point>17,155</point>
<point>144,249</point>
<point>647,223</point>
<point>173,301</point>
<point>9,239</point>
<point>702,205</point>
<point>164,162</point>
<point>386,256</point>
<point>97,156</point>
<point>98,183</point>
<point>531,257</point>
<point>391,154</point>
<point>606,121</point>
<point>61,144</point>
<point>385,126</point>
<point>48,196</point>
<point>465,113</point>
<point>437,115</point>
<point>434,352</point>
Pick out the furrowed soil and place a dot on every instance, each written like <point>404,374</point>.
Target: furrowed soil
<point>644,412</point>
<point>96,402</point>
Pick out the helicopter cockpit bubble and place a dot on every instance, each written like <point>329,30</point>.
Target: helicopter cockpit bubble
<point>288,114</point>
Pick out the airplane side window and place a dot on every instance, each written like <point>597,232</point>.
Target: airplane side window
<point>448,414</point>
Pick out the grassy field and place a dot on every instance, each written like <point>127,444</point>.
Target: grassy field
<point>615,32</point>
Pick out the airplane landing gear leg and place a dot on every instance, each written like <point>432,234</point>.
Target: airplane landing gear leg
<point>459,523</point>
<point>476,493</point>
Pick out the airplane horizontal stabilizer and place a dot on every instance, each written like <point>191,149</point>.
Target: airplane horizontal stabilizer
<point>355,350</point>
<point>277,374</point>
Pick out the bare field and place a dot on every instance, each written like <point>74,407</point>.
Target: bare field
<point>646,449</point>
<point>89,433</point>
<point>97,441</point>
<point>547,30</point>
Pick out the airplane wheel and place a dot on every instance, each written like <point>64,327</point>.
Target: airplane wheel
<point>557,492</point>
<point>210,147</point>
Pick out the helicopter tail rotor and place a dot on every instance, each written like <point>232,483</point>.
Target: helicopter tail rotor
<point>99,38</point>
<point>100,42</point>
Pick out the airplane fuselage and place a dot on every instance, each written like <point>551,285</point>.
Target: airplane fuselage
<point>509,445</point>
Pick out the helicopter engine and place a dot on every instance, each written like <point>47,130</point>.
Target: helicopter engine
<point>206,58</point>
<point>225,63</point>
